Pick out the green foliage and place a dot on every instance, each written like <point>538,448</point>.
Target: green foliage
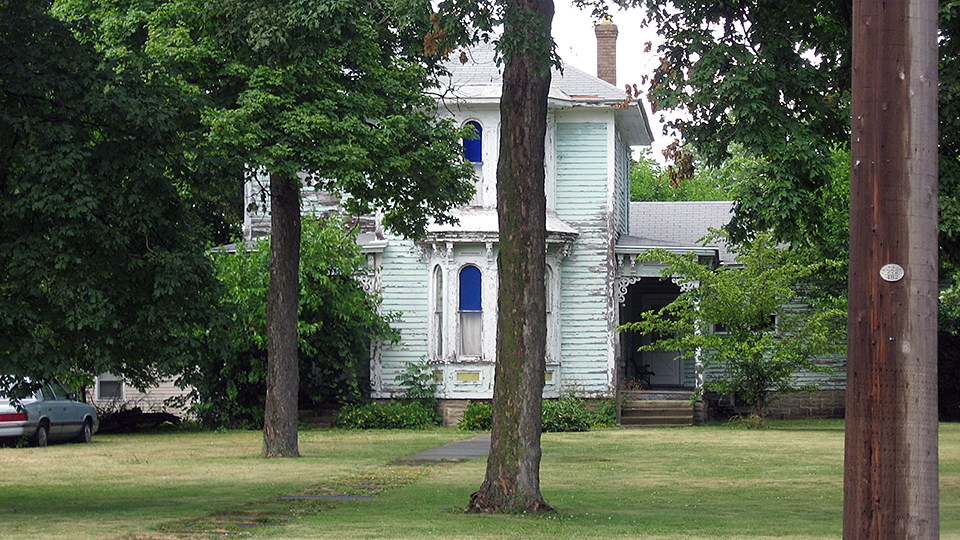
<point>337,321</point>
<point>478,416</point>
<point>418,379</point>
<point>334,89</point>
<point>754,354</point>
<point>949,132</point>
<point>565,414</point>
<point>101,266</point>
<point>776,79</point>
<point>949,185</point>
<point>604,414</point>
<point>650,182</point>
<point>209,182</point>
<point>781,90</point>
<point>390,415</point>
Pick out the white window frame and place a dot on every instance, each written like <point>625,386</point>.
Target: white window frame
<point>480,314</point>
<point>109,378</point>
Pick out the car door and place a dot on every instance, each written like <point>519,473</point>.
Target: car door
<point>64,422</point>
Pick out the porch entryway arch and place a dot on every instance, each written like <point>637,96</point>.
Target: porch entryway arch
<point>657,369</point>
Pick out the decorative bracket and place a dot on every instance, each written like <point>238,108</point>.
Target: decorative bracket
<point>623,284</point>
<point>685,286</point>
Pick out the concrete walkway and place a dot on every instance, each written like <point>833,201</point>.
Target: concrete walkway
<point>474,448</point>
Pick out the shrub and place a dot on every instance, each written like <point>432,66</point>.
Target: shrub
<point>391,415</point>
<point>336,322</point>
<point>566,414</point>
<point>478,416</point>
<point>605,414</point>
<point>420,386</point>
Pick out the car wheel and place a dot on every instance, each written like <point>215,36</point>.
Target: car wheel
<point>86,433</point>
<point>40,438</point>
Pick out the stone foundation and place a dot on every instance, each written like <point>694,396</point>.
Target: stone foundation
<point>819,404</point>
<point>452,410</point>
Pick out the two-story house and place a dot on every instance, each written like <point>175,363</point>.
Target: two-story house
<point>446,284</point>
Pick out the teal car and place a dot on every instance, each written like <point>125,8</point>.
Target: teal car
<point>49,415</point>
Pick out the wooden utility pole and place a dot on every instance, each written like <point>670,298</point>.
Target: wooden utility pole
<point>890,474</point>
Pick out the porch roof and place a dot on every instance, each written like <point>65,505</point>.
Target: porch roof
<point>476,222</point>
<point>677,227</point>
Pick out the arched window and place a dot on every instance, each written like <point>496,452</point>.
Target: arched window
<point>553,346</point>
<point>438,312</point>
<point>547,283</point>
<point>471,311</point>
<point>473,152</point>
<point>473,148</point>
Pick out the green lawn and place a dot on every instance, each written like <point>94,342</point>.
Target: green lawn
<point>692,483</point>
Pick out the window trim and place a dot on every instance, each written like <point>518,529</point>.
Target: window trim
<point>475,300</point>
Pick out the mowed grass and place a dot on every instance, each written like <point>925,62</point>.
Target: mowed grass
<point>693,483</point>
<point>120,485</point>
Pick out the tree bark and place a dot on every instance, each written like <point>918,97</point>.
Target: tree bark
<point>512,481</point>
<point>891,464</point>
<point>283,370</point>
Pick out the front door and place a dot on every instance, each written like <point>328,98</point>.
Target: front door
<point>664,366</point>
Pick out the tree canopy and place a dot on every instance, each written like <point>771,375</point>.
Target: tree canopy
<point>335,91</point>
<point>331,93</point>
<point>338,319</point>
<point>775,79</point>
<point>101,269</point>
<point>650,181</point>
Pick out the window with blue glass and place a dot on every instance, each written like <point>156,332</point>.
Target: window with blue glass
<point>471,311</point>
<point>473,152</point>
<point>473,148</point>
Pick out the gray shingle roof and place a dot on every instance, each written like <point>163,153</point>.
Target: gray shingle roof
<point>479,79</point>
<point>677,224</point>
<point>481,70</point>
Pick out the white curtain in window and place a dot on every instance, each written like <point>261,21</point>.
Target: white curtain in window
<point>438,312</point>
<point>470,324</point>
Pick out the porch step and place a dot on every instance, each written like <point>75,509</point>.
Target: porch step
<point>635,413</point>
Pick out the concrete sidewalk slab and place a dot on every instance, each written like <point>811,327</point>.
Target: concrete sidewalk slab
<point>477,447</point>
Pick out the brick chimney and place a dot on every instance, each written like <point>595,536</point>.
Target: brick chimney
<point>607,50</point>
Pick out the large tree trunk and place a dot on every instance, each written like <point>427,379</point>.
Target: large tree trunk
<point>512,480</point>
<point>283,370</point>
<point>890,468</point>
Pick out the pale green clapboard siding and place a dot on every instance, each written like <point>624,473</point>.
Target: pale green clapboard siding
<point>689,372</point>
<point>622,183</point>
<point>582,202</point>
<point>405,290</point>
<point>834,379</point>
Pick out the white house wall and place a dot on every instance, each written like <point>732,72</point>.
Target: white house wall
<point>488,116</point>
<point>584,201</point>
<point>405,290</point>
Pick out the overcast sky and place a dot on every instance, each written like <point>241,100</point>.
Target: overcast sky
<point>577,45</point>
